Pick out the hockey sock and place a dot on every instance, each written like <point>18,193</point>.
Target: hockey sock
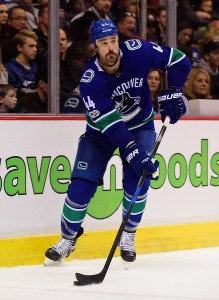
<point>137,211</point>
<point>79,193</point>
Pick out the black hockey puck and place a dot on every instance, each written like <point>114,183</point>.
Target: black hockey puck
<point>77,283</point>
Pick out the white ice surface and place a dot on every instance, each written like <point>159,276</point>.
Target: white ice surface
<point>178,275</point>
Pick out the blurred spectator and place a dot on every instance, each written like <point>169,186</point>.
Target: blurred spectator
<point>184,38</point>
<point>210,35</point>
<point>36,102</point>
<point>80,25</point>
<point>151,29</point>
<point>41,3</point>
<point>187,12</point>
<point>127,26</point>
<point>22,68</point>
<point>3,75</point>
<point>155,83</point>
<point>3,71</point>
<point>213,23</point>
<point>101,9</point>
<point>206,6</point>
<point>69,78</point>
<point>152,6</point>
<point>17,20</point>
<point>210,62</point>
<point>198,85</point>
<point>131,6</point>
<point>81,49</point>
<point>73,8</point>
<point>3,21</point>
<point>30,9</point>
<point>8,99</point>
<point>161,25</point>
<point>3,17</point>
<point>42,35</point>
<point>184,34</point>
<point>212,30</point>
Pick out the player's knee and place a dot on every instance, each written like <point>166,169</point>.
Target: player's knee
<point>81,190</point>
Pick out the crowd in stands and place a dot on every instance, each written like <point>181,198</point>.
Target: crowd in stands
<point>24,29</point>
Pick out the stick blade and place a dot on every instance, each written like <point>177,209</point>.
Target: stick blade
<point>83,279</point>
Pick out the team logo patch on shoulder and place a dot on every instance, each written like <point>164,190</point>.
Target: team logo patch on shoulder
<point>82,165</point>
<point>133,44</point>
<point>93,114</point>
<point>87,76</point>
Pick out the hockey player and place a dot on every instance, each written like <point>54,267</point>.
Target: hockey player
<point>119,114</point>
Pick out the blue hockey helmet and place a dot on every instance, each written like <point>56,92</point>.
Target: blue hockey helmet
<point>101,29</point>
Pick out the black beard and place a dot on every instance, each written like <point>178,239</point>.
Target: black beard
<point>109,66</point>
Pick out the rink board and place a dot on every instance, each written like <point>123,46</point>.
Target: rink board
<point>37,153</point>
<point>30,250</point>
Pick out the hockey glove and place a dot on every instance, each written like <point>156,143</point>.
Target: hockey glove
<point>171,104</point>
<point>140,160</point>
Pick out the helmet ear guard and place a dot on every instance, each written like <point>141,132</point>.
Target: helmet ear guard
<point>101,29</point>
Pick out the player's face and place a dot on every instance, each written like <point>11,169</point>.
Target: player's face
<point>108,50</point>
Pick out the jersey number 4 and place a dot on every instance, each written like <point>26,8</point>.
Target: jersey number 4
<point>89,103</point>
<point>157,47</point>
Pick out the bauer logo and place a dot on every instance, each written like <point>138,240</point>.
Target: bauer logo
<point>132,155</point>
<point>82,165</point>
<point>169,97</point>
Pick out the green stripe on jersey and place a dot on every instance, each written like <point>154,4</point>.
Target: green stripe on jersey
<point>176,55</point>
<point>105,121</point>
<point>108,120</point>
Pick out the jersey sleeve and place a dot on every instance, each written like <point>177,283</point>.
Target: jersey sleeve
<point>178,68</point>
<point>170,60</point>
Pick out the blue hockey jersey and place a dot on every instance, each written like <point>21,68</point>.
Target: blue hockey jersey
<point>125,96</point>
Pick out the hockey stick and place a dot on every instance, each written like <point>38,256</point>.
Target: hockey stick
<point>83,279</point>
